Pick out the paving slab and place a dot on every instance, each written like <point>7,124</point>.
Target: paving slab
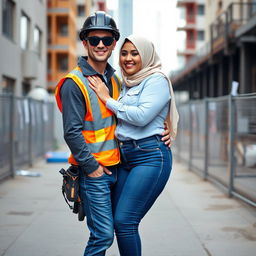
<point>192,217</point>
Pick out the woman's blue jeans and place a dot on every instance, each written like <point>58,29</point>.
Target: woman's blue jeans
<point>145,169</point>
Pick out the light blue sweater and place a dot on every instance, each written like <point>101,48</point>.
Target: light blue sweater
<point>141,110</point>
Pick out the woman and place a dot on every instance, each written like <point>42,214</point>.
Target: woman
<point>142,108</point>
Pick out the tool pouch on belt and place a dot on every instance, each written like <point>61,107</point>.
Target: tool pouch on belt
<point>70,190</point>
<point>70,184</point>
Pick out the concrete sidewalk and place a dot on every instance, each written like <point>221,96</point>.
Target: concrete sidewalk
<point>191,218</point>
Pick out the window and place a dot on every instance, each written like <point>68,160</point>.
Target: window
<point>63,29</point>
<point>62,24</point>
<point>253,6</point>
<point>190,10</point>
<point>190,39</point>
<point>200,35</point>
<point>63,62</point>
<point>49,25</point>
<point>8,85</point>
<point>24,31</point>
<point>190,14</point>
<point>200,9</point>
<point>25,88</point>
<point>190,35</point>
<point>8,18</point>
<point>220,4</point>
<point>37,41</point>
<point>81,10</point>
<point>49,64</point>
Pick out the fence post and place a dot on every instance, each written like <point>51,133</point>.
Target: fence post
<point>231,144</point>
<point>211,38</point>
<point>190,137</point>
<point>43,127</point>
<point>12,129</point>
<point>206,145</point>
<point>177,141</point>
<point>30,157</point>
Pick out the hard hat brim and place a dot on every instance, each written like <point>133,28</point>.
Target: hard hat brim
<point>83,33</point>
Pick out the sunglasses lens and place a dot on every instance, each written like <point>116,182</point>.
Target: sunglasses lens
<point>95,40</point>
<point>107,41</point>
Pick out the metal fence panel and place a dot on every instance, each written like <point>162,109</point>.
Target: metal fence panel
<point>217,136</point>
<point>37,128</point>
<point>26,132</point>
<point>49,140</point>
<point>245,146</point>
<point>218,152</point>
<point>183,137</point>
<point>5,136</point>
<point>198,135</point>
<point>21,131</point>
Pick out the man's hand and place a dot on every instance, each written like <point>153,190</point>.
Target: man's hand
<point>99,172</point>
<point>166,135</point>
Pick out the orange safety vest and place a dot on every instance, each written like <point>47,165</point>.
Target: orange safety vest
<point>99,122</point>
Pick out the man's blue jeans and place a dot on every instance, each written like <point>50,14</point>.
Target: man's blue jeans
<point>96,195</point>
<point>145,169</point>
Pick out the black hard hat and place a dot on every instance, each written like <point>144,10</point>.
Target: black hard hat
<point>99,21</point>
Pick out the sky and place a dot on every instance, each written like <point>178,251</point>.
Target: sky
<point>156,20</point>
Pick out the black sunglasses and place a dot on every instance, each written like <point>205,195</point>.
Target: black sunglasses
<point>95,40</point>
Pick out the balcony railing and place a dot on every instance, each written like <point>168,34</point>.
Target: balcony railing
<point>224,27</point>
<point>222,33</point>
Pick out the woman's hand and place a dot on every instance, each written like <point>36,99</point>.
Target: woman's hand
<point>166,135</point>
<point>99,87</point>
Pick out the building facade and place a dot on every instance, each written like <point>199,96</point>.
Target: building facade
<point>65,19</point>
<point>228,56</point>
<point>22,46</point>
<point>190,29</point>
<point>62,38</point>
<point>84,8</point>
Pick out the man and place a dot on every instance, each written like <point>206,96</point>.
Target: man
<point>89,128</point>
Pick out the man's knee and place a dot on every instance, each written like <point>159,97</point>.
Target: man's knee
<point>106,239</point>
<point>109,239</point>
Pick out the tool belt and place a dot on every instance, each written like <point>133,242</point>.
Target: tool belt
<point>70,190</point>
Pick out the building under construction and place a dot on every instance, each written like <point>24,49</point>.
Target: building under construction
<point>217,127</point>
<point>228,55</point>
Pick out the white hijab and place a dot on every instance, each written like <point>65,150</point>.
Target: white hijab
<point>151,64</point>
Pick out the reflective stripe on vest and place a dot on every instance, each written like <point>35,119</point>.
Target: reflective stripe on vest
<point>99,122</point>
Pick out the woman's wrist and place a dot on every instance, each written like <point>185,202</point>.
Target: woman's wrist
<point>105,99</point>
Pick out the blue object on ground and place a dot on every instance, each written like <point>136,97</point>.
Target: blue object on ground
<point>57,157</point>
